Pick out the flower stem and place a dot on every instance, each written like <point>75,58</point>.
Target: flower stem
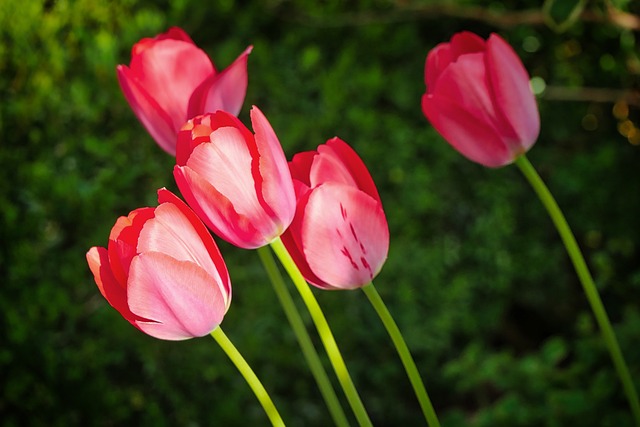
<point>404,353</point>
<point>308,350</point>
<point>249,376</point>
<point>587,282</point>
<point>324,331</point>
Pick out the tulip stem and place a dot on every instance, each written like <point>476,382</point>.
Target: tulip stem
<point>586,280</point>
<point>324,331</point>
<point>404,353</point>
<point>249,376</point>
<point>308,350</point>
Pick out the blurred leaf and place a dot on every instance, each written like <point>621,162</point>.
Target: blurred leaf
<point>560,15</point>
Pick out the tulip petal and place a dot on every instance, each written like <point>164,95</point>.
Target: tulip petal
<point>472,137</point>
<point>222,119</point>
<point>224,91</point>
<point>292,239</point>
<point>465,42</point>
<point>341,152</point>
<point>465,83</point>
<point>441,56</point>
<point>216,210</point>
<point>166,196</point>
<point>437,60</point>
<point>174,33</point>
<point>328,167</point>
<point>179,297</point>
<point>295,251</point>
<point>111,290</point>
<point>170,232</point>
<point>514,99</point>
<point>238,182</point>
<point>227,163</point>
<point>154,119</point>
<point>345,237</point>
<point>300,165</point>
<point>274,178</point>
<point>198,131</point>
<point>123,242</point>
<point>171,70</point>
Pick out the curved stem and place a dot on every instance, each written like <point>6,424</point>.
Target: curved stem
<point>249,376</point>
<point>324,331</point>
<point>586,280</point>
<point>308,350</point>
<point>404,353</point>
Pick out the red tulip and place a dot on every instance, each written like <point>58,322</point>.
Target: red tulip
<point>171,80</point>
<point>339,238</point>
<point>163,272</point>
<point>237,182</point>
<point>479,99</point>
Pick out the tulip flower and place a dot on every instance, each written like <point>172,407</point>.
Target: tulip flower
<point>339,238</point>
<point>237,182</point>
<point>479,99</point>
<point>171,80</point>
<point>163,272</point>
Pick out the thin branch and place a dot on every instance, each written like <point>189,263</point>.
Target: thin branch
<point>623,19</point>
<point>591,94</point>
<point>500,19</point>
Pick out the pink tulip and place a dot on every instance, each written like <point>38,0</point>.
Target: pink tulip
<point>479,99</point>
<point>237,182</point>
<point>171,80</point>
<point>339,238</point>
<point>163,272</point>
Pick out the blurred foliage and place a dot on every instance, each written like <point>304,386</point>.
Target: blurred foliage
<point>476,278</point>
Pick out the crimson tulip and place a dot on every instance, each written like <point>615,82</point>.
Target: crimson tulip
<point>339,237</point>
<point>237,182</point>
<point>170,80</point>
<point>479,99</point>
<point>163,272</point>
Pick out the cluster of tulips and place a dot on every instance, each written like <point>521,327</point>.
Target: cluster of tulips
<point>320,213</point>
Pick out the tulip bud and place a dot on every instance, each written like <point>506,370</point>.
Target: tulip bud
<point>163,272</point>
<point>237,182</point>
<point>171,80</point>
<point>339,237</point>
<point>479,99</point>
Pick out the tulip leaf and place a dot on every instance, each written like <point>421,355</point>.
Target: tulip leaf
<point>560,15</point>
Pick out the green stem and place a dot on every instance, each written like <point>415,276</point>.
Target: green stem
<point>404,353</point>
<point>586,280</point>
<point>249,376</point>
<point>308,350</point>
<point>324,331</point>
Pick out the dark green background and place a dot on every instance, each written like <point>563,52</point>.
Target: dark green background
<point>477,277</point>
